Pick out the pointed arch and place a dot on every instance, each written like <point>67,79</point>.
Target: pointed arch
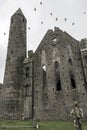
<point>43,67</point>
<point>44,74</point>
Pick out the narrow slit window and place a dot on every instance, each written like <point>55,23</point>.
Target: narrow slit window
<point>11,20</point>
<point>57,76</point>
<point>11,51</point>
<point>44,74</point>
<point>58,85</point>
<point>56,64</point>
<point>70,61</point>
<point>26,91</point>
<point>73,84</point>
<point>23,20</point>
<point>27,72</point>
<point>44,68</point>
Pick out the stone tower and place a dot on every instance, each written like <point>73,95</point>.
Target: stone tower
<point>13,78</point>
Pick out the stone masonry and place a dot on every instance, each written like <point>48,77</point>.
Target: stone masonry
<point>13,78</point>
<point>43,85</point>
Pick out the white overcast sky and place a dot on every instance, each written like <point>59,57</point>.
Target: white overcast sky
<point>74,10</point>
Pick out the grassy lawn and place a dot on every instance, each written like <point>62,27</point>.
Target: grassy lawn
<point>44,125</point>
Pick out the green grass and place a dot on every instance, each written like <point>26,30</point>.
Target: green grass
<point>59,125</point>
<point>44,125</point>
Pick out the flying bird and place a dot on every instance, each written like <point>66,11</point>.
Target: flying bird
<point>56,19</point>
<point>40,3</point>
<point>34,9</point>
<point>4,33</point>
<point>73,23</point>
<point>41,22</point>
<point>51,14</point>
<point>29,28</point>
<point>84,12</point>
<point>65,19</point>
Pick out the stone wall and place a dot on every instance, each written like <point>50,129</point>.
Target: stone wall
<point>56,88</point>
<point>44,84</point>
<point>28,86</point>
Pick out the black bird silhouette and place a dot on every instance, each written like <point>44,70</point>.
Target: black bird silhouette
<point>41,22</point>
<point>34,9</point>
<point>40,3</point>
<point>65,19</point>
<point>84,12</point>
<point>56,19</point>
<point>4,33</point>
<point>51,14</point>
<point>73,23</point>
<point>29,28</point>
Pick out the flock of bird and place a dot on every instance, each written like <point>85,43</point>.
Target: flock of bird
<point>65,19</point>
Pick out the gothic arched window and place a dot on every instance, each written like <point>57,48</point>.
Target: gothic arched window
<point>57,76</point>
<point>44,74</point>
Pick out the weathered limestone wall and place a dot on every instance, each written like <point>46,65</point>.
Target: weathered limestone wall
<point>44,85</point>
<point>52,101</point>
<point>28,84</point>
<point>13,78</point>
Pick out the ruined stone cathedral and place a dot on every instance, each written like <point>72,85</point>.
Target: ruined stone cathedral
<point>44,84</point>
